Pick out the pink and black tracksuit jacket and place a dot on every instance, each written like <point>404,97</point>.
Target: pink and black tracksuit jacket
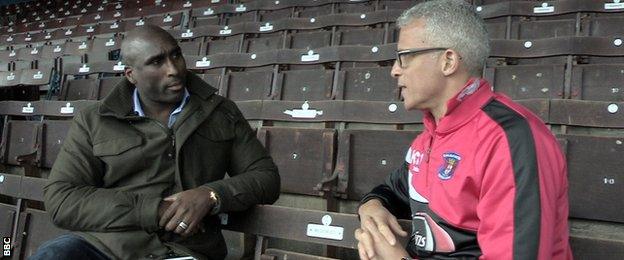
<point>488,181</point>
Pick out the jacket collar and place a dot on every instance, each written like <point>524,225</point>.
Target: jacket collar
<point>119,102</point>
<point>462,107</point>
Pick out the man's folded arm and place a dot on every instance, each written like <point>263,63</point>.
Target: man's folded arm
<point>254,178</point>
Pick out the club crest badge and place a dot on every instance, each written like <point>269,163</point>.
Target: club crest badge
<point>451,161</point>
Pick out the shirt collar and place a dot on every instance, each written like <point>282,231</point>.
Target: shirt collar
<point>139,110</point>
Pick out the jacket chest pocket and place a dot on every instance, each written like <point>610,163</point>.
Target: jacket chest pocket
<point>214,143</point>
<point>122,157</point>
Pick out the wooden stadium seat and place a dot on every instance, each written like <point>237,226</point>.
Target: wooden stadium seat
<point>598,82</point>
<point>244,85</point>
<point>304,157</point>
<point>374,84</point>
<point>528,81</point>
<point>301,85</point>
<point>364,36</point>
<point>54,133</point>
<point>366,157</point>
<point>309,40</point>
<point>592,188</point>
<point>77,89</point>
<point>539,29</point>
<point>266,43</point>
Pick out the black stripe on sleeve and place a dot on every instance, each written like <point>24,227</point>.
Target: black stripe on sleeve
<point>524,160</point>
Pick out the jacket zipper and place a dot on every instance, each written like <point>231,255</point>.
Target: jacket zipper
<point>431,141</point>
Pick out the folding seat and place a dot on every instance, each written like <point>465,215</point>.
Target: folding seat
<point>190,47</point>
<point>204,21</point>
<point>35,227</point>
<point>368,36</point>
<point>4,66</point>
<point>54,133</point>
<point>265,43</point>
<point>244,85</point>
<point>496,30</point>
<point>38,78</point>
<point>308,40</point>
<point>586,113</point>
<point>313,11</point>
<point>239,18</point>
<point>540,29</point>
<point>303,155</point>
<point>77,48</point>
<point>102,48</point>
<point>9,188</point>
<point>598,82</point>
<point>79,89</point>
<point>168,20</point>
<point>593,188</point>
<point>112,27</point>
<point>275,15</point>
<point>19,142</point>
<point>528,81</point>
<point>228,45</point>
<point>366,157</point>
<point>372,84</point>
<point>301,85</point>
<point>363,7</point>
<point>606,26</point>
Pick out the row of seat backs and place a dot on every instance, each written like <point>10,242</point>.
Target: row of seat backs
<point>345,163</point>
<point>486,9</point>
<point>73,29</point>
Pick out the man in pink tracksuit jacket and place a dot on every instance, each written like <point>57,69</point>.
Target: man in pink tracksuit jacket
<point>486,178</point>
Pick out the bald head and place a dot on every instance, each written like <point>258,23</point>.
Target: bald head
<point>136,41</point>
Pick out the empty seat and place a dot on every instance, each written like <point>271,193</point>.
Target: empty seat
<point>598,82</point>
<point>304,156</point>
<point>314,11</point>
<point>252,85</point>
<point>606,26</point>
<point>374,84</point>
<point>190,47</point>
<point>366,157</point>
<point>363,7</point>
<point>54,133</point>
<point>309,40</point>
<point>102,47</point>
<point>528,81</point>
<point>77,89</point>
<point>368,36</point>
<point>19,141</point>
<point>540,29</point>
<point>594,171</point>
<point>229,45</point>
<point>204,21</point>
<point>239,18</point>
<point>311,85</point>
<point>496,30</point>
<point>265,43</point>
<point>275,15</point>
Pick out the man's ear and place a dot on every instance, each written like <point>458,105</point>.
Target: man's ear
<point>129,74</point>
<point>450,60</point>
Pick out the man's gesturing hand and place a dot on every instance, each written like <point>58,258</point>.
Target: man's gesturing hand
<point>189,206</point>
<point>376,219</point>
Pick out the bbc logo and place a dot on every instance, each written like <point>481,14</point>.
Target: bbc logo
<point>6,246</point>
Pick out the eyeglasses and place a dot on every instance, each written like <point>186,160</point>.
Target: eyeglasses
<point>400,55</point>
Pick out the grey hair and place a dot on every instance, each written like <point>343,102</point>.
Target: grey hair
<point>455,25</point>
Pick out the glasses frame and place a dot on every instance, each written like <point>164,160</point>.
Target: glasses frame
<point>415,51</point>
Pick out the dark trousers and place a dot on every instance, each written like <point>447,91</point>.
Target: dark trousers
<point>68,246</point>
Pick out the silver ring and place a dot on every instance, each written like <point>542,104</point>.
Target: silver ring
<point>183,225</point>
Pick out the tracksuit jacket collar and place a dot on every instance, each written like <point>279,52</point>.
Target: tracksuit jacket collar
<point>462,107</point>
